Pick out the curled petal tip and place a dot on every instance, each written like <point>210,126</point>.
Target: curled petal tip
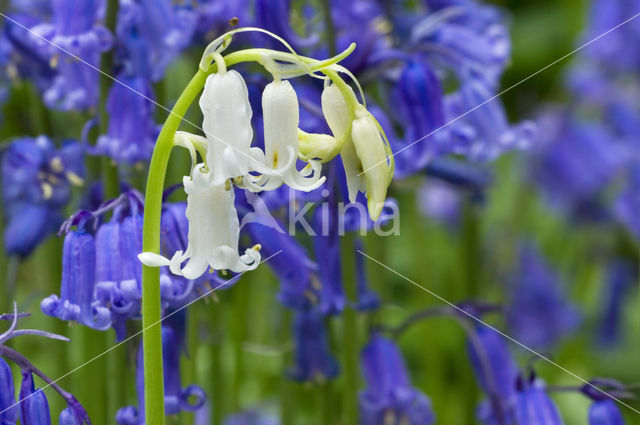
<point>151,259</point>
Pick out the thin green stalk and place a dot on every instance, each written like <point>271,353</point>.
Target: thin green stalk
<point>350,338</point>
<point>238,337</point>
<point>286,386</point>
<point>215,373</point>
<point>151,309</point>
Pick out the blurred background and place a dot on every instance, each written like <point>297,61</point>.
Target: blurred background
<point>529,206</point>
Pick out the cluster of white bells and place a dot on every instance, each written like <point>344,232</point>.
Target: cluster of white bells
<point>230,159</point>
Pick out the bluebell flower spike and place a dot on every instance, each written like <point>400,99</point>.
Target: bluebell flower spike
<point>313,359</point>
<point>389,396</point>
<point>34,406</point>
<point>8,405</point>
<point>532,405</point>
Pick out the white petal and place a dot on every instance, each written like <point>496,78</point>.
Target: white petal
<point>338,116</point>
<point>280,117</point>
<point>370,148</point>
<point>151,259</point>
<point>227,124</point>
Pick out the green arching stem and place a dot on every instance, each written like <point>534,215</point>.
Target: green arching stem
<point>151,309</point>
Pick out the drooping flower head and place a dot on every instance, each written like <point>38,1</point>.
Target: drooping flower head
<point>496,372</point>
<point>76,301</point>
<point>533,406</point>
<point>34,406</point>
<point>313,359</point>
<point>132,132</point>
<point>539,313</point>
<point>9,414</point>
<point>389,397</point>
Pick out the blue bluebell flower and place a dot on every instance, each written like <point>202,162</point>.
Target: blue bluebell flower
<point>389,397</point>
<point>419,102</point>
<point>36,184</point>
<point>273,15</point>
<point>326,246</point>
<point>533,406</point>
<point>496,372</point>
<point>76,301</point>
<point>313,361</point>
<point>68,417</point>
<point>34,407</point>
<point>482,133</point>
<point>299,287</point>
<point>153,33</point>
<point>468,36</point>
<point>118,283</point>
<point>617,52</point>
<point>7,395</point>
<point>574,161</point>
<point>132,132</point>
<point>177,398</point>
<point>75,29</point>
<point>605,412</point>
<point>621,277</point>
<point>539,313</point>
<point>30,55</point>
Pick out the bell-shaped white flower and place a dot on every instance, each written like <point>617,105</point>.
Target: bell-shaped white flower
<point>336,112</point>
<point>365,154</point>
<point>281,116</point>
<point>214,231</point>
<point>370,148</point>
<point>227,125</point>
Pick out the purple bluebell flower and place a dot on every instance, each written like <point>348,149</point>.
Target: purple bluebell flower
<point>539,313</point>
<point>154,32</point>
<point>617,52</point>
<point>418,97</point>
<point>299,286</point>
<point>467,37</point>
<point>389,397</point>
<point>326,246</point>
<point>117,283</point>
<point>36,183</point>
<point>605,412</point>
<point>621,277</point>
<point>313,359</point>
<point>273,15</point>
<point>574,161</point>
<point>78,284</point>
<point>482,133</point>
<point>177,399</point>
<point>68,417</point>
<point>7,395</point>
<point>74,29</point>
<point>132,132</point>
<point>533,406</point>
<point>496,372</point>
<point>34,407</point>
